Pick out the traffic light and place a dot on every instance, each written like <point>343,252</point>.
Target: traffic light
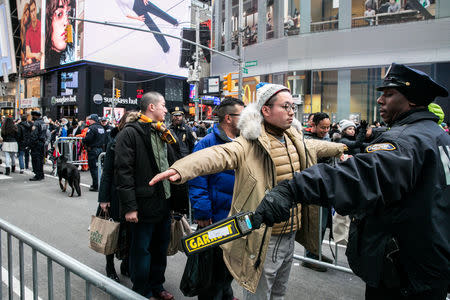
<point>205,38</point>
<point>117,93</point>
<point>69,34</point>
<point>227,83</point>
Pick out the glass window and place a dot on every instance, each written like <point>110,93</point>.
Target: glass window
<point>292,17</point>
<point>380,12</point>
<point>324,15</point>
<point>33,88</point>
<point>250,16</point>
<point>269,20</point>
<point>323,94</point>
<point>363,93</point>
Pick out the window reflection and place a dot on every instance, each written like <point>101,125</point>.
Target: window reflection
<point>380,12</point>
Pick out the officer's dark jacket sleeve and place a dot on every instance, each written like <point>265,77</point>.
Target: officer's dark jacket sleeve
<point>124,165</point>
<point>90,136</point>
<point>366,182</point>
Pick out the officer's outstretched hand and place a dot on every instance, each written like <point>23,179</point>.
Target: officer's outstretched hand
<point>275,206</point>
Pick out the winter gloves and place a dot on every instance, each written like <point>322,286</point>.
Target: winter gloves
<point>275,206</point>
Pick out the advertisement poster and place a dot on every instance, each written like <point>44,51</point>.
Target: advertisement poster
<point>30,15</point>
<point>136,49</point>
<point>59,48</point>
<point>118,113</point>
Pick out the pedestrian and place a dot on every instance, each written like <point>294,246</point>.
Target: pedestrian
<point>211,195</point>
<point>23,140</point>
<point>37,142</point>
<point>320,126</point>
<point>182,132</point>
<point>107,198</point>
<point>94,141</point>
<point>10,147</point>
<point>267,151</point>
<point>141,153</point>
<point>354,142</point>
<point>105,124</point>
<point>397,195</point>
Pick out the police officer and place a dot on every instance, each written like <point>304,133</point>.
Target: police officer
<point>183,133</point>
<point>105,124</point>
<point>397,194</point>
<point>37,142</point>
<point>94,141</point>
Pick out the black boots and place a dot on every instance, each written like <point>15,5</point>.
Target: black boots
<point>13,168</point>
<point>110,271</point>
<point>7,171</point>
<point>124,267</point>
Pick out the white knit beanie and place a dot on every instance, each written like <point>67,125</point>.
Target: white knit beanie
<point>264,91</point>
<point>346,124</point>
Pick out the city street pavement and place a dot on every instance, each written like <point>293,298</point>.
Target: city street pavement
<point>43,210</point>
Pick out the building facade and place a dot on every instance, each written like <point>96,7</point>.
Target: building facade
<point>332,54</point>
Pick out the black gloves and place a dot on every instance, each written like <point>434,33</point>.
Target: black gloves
<point>363,124</point>
<point>275,206</point>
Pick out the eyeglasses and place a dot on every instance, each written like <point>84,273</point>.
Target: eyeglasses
<point>234,115</point>
<point>287,107</point>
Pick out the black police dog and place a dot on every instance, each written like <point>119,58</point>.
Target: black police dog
<point>70,173</point>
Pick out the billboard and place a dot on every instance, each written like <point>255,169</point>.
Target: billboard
<point>135,49</point>
<point>31,31</point>
<point>7,56</point>
<point>59,46</point>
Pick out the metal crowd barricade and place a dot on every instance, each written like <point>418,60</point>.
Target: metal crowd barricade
<point>91,277</point>
<point>64,146</point>
<point>67,147</point>
<point>334,265</point>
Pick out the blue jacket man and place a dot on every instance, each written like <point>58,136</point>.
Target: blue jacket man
<point>211,195</point>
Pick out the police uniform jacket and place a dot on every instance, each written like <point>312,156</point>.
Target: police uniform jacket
<point>399,188</point>
<point>184,137</point>
<point>38,133</point>
<point>95,136</point>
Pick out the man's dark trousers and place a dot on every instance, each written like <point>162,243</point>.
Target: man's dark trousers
<point>221,289</point>
<point>148,256</point>
<point>37,160</point>
<point>92,163</point>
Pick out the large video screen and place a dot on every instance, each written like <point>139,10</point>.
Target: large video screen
<point>135,49</point>
<point>30,15</point>
<point>59,47</point>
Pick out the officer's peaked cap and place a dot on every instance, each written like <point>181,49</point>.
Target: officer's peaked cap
<point>94,117</point>
<point>415,85</point>
<point>177,111</point>
<point>36,113</point>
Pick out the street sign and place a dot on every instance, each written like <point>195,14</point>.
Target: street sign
<point>245,70</point>
<point>252,63</point>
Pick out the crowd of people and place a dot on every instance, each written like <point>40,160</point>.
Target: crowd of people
<point>392,179</point>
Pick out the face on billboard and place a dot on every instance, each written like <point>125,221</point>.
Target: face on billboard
<point>134,49</point>
<point>58,50</point>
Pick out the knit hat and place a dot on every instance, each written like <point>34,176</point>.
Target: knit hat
<point>64,121</point>
<point>265,91</point>
<point>343,124</point>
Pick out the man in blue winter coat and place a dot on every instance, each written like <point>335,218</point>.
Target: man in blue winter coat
<point>211,194</point>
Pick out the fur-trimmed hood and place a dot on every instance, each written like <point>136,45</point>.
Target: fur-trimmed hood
<point>251,121</point>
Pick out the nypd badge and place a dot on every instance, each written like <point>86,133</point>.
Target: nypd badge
<point>379,147</point>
